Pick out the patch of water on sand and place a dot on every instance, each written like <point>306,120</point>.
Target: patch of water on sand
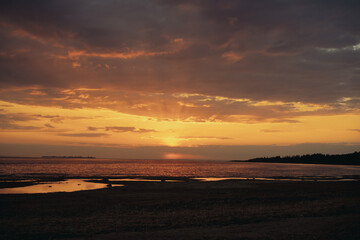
<point>142,180</point>
<point>70,185</point>
<point>214,179</point>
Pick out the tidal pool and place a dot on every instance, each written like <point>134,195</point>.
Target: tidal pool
<point>141,180</point>
<point>321,179</point>
<point>70,185</point>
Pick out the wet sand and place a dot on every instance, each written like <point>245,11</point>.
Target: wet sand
<point>231,209</point>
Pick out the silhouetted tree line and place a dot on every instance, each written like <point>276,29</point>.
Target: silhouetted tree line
<point>318,158</point>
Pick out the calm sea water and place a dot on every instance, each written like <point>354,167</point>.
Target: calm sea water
<point>18,167</point>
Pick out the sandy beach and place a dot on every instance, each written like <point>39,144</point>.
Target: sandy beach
<point>230,209</point>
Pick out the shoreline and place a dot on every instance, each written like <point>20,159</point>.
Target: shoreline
<point>16,182</point>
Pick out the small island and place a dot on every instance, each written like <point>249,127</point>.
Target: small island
<point>318,158</point>
<point>86,157</point>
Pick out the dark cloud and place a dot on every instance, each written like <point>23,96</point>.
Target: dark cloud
<point>9,126</point>
<point>167,106</point>
<point>86,135</point>
<point>17,117</point>
<point>10,122</point>
<point>49,125</point>
<point>18,121</point>
<point>356,130</point>
<point>144,130</point>
<point>297,51</point>
<point>118,129</point>
<point>93,128</point>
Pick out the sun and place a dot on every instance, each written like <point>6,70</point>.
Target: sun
<point>171,141</point>
<point>181,156</point>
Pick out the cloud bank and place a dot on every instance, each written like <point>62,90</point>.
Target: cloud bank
<point>274,64</point>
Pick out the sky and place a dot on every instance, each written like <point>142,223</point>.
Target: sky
<point>206,79</point>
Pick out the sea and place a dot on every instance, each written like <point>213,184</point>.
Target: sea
<point>71,167</point>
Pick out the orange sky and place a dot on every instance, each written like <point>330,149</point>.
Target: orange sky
<point>29,124</point>
<point>178,80</point>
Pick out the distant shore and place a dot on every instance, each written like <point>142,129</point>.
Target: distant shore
<point>86,157</point>
<point>335,159</point>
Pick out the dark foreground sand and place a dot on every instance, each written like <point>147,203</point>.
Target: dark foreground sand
<point>191,210</point>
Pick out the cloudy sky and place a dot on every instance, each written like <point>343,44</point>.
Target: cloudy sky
<point>179,79</point>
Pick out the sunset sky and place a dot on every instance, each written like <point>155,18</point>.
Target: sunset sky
<point>207,79</point>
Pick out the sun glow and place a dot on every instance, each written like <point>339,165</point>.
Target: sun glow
<point>181,156</point>
<point>170,141</point>
<point>99,126</point>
